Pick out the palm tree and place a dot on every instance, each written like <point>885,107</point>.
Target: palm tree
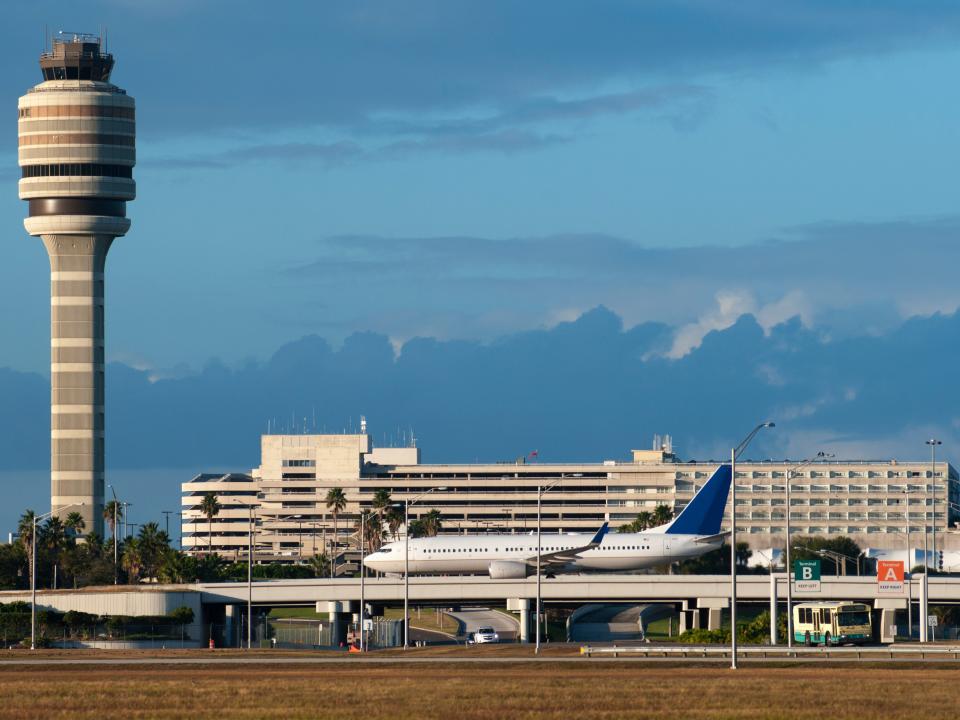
<point>94,543</point>
<point>75,524</point>
<point>210,507</point>
<point>25,535</point>
<point>54,538</point>
<point>336,502</point>
<point>431,522</point>
<point>132,560</point>
<point>320,564</point>
<point>662,514</point>
<point>394,518</point>
<point>154,544</point>
<point>381,499</point>
<point>113,514</point>
<point>371,525</point>
<point>644,521</point>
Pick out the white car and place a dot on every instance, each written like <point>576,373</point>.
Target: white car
<point>486,635</point>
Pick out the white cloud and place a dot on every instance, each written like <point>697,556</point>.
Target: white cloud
<point>730,306</point>
<point>793,304</point>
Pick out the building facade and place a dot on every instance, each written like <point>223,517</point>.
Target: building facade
<point>871,502</point>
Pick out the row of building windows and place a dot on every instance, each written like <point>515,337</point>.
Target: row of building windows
<point>299,463</point>
<point>72,72</point>
<point>836,530</point>
<point>813,474</point>
<point>834,488</point>
<point>77,139</point>
<point>77,170</point>
<point>77,111</point>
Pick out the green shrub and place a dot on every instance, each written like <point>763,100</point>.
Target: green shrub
<point>699,636</point>
<point>182,615</point>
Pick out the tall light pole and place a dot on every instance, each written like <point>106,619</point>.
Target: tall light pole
<point>33,572</point>
<point>116,507</point>
<point>909,571</point>
<point>541,489</point>
<point>789,473</point>
<point>406,563</point>
<point>124,518</point>
<point>250,530</point>
<point>734,454</point>
<point>933,442</point>
<point>363,603</point>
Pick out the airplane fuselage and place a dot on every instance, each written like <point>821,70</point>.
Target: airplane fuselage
<point>469,554</point>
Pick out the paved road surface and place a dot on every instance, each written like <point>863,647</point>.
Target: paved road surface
<point>472,619</point>
<point>373,659</point>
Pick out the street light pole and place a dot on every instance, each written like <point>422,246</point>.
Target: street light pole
<point>363,606</point>
<point>789,566</point>
<point>734,453</point>
<point>116,506</point>
<point>33,572</point>
<point>933,442</point>
<point>909,573</point>
<point>541,489</point>
<point>250,528</point>
<point>406,563</point>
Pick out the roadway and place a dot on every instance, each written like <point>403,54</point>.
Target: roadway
<point>480,589</point>
<point>472,619</point>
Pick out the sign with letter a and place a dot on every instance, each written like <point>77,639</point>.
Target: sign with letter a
<point>806,575</point>
<point>890,576</point>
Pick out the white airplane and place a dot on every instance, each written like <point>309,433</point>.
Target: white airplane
<point>695,531</point>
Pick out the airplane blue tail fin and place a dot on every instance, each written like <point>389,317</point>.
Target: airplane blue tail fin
<point>704,513</point>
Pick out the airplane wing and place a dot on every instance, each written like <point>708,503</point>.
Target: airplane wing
<point>562,557</point>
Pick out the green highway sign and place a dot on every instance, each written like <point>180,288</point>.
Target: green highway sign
<point>806,575</point>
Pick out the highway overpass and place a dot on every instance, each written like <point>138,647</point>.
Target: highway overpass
<point>699,599</point>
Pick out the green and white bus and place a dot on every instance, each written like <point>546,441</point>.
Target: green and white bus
<point>832,623</point>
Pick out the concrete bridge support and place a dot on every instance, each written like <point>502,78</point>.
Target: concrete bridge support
<point>231,616</point>
<point>887,608</point>
<point>339,613</point>
<point>521,605</point>
<point>714,608</point>
<point>700,612</point>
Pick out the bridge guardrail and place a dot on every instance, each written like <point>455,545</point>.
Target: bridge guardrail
<point>947,652</point>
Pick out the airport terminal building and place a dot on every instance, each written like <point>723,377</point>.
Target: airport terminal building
<point>875,503</point>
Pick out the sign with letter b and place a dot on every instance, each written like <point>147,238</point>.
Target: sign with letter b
<point>806,574</point>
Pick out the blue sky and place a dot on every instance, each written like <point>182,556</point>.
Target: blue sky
<point>476,171</point>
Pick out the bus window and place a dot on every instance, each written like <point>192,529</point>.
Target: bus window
<point>826,615</point>
<point>851,616</point>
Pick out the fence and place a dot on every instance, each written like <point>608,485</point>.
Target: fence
<point>300,634</point>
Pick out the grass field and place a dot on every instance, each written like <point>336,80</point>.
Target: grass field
<point>428,619</point>
<point>467,692</point>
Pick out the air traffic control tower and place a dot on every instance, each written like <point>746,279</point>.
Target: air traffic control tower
<point>76,135</point>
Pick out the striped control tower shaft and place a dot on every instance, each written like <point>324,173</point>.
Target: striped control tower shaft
<point>76,153</point>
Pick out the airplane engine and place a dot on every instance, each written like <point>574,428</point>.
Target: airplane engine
<point>509,570</point>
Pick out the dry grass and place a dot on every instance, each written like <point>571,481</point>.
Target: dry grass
<point>469,692</point>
